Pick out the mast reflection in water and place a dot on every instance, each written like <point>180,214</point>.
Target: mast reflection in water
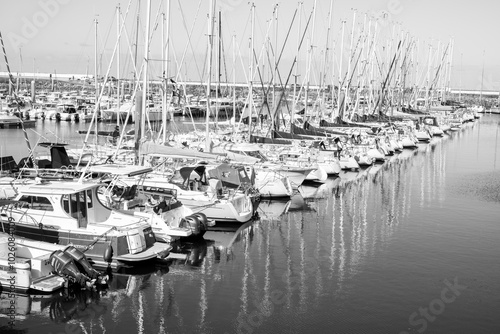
<point>365,252</point>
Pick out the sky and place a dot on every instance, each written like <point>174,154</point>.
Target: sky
<point>58,35</point>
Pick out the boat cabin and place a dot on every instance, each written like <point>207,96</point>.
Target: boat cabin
<point>53,204</point>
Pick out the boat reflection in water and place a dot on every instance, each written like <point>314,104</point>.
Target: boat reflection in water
<point>273,209</point>
<point>69,307</point>
<point>335,257</point>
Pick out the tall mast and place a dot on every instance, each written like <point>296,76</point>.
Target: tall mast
<point>219,52</point>
<point>118,66</point>
<point>308,71</point>
<point>165,69</point>
<point>460,90</point>
<point>275,70</point>
<point>96,82</point>
<point>323,79</point>
<point>163,83</point>
<point>234,80</point>
<point>136,43</point>
<point>209,69</point>
<point>482,78</point>
<point>250,57</point>
<point>145,70</point>
<point>219,67</point>
<point>349,64</point>
<point>450,65</point>
<point>341,80</point>
<point>428,79</point>
<point>295,98</point>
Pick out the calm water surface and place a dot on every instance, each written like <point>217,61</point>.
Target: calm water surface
<point>408,246</point>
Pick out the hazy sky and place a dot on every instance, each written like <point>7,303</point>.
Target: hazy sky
<point>58,35</point>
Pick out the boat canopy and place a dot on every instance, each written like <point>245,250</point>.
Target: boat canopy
<point>231,176</point>
<point>56,188</point>
<point>58,156</point>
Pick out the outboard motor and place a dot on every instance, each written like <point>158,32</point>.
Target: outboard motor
<point>63,265</point>
<point>81,262</point>
<point>194,224</point>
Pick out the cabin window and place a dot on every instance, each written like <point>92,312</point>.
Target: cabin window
<point>36,202</point>
<point>75,205</point>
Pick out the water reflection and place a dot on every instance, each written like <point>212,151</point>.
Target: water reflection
<point>273,209</point>
<point>313,256</point>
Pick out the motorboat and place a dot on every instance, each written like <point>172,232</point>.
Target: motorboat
<point>127,192</point>
<point>201,193</point>
<point>69,212</point>
<point>66,112</point>
<point>35,266</point>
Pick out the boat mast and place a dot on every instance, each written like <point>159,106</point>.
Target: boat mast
<point>309,63</point>
<point>371,96</point>
<point>96,81</point>
<point>275,70</point>
<point>323,78</point>
<point>250,57</point>
<point>460,81</point>
<point>450,65</point>
<point>136,44</point>
<point>163,83</point>
<point>341,80</point>
<point>482,78</point>
<point>296,75</point>
<point>209,69</point>
<point>145,70</point>
<point>118,67</point>
<point>349,65</point>
<point>234,83</point>
<point>167,48</point>
<point>428,79</point>
<point>219,52</point>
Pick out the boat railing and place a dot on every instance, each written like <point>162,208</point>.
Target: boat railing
<point>19,207</point>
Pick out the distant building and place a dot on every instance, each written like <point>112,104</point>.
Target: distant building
<point>466,92</point>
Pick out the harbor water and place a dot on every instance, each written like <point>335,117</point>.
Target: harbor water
<point>408,246</point>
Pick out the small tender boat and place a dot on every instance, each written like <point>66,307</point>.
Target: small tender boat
<point>27,265</point>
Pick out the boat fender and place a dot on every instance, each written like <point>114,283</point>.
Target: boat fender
<point>194,224</point>
<point>81,262</point>
<point>108,254</point>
